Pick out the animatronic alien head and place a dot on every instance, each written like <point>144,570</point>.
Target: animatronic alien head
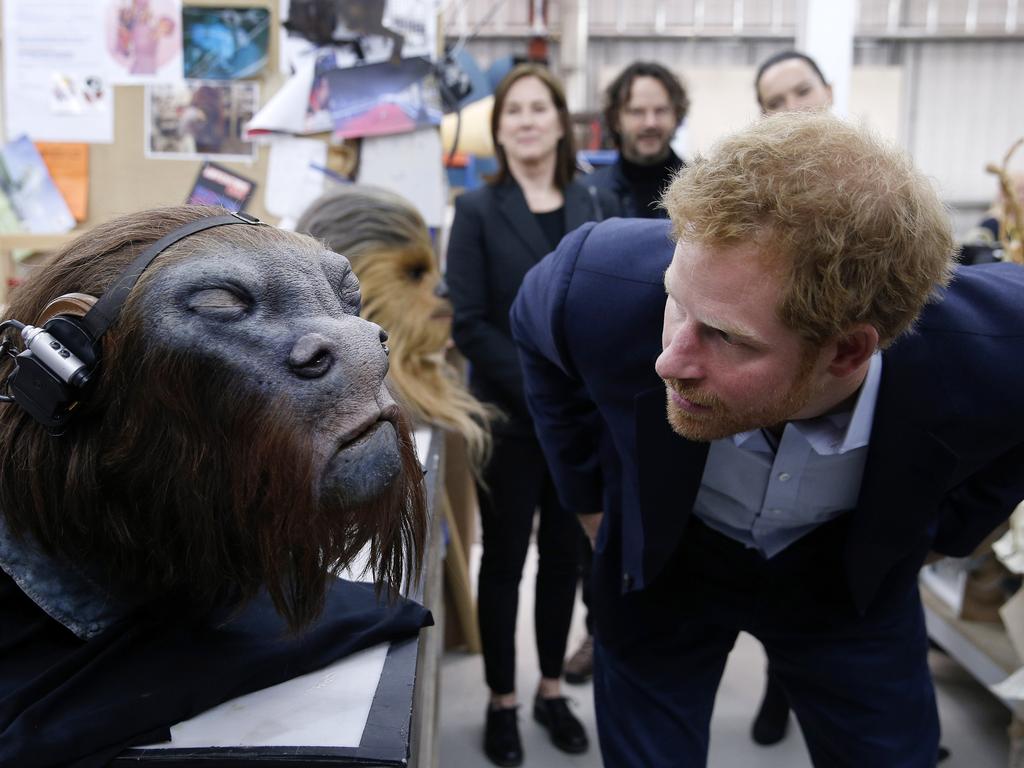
<point>389,247</point>
<point>237,432</point>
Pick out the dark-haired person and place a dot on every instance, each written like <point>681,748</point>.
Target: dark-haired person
<point>789,376</point>
<point>790,81</point>
<point>644,105</point>
<point>499,232</point>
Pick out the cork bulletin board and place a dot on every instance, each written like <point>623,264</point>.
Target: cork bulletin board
<point>122,179</point>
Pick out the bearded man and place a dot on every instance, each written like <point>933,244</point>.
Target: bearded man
<point>644,105</point>
<point>840,401</point>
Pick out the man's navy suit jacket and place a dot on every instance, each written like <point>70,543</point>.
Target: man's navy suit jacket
<point>946,460</point>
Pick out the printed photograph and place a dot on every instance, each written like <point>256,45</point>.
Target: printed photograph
<point>29,188</point>
<point>225,43</point>
<point>144,40</point>
<point>379,99</point>
<point>217,185</point>
<point>200,118</point>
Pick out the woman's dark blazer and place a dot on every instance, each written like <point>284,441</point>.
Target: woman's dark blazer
<point>494,241</point>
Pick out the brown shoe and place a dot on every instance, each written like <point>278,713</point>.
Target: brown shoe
<point>580,666</point>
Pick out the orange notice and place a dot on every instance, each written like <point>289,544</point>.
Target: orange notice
<point>69,166</point>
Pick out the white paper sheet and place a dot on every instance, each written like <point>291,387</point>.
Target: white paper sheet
<point>409,164</point>
<point>293,176</point>
<point>286,110</point>
<point>326,708</point>
<point>56,77</point>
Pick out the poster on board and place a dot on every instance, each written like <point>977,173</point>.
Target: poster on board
<point>225,43</point>
<point>200,119</point>
<point>55,72</point>
<point>26,182</point>
<point>217,185</point>
<point>142,40</point>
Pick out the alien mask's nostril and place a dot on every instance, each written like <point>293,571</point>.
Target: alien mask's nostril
<point>311,357</point>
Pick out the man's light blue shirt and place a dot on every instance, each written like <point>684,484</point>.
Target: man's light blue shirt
<point>768,497</point>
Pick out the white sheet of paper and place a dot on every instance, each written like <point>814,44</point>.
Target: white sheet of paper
<point>293,181</point>
<point>409,164</point>
<point>56,77</point>
<point>326,708</point>
<point>286,110</point>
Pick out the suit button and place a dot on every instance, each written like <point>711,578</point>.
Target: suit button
<point>627,581</point>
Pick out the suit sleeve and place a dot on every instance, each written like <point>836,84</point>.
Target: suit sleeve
<point>486,346</point>
<point>567,421</point>
<point>977,506</point>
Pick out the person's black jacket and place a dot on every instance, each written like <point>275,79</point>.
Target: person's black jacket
<point>637,188</point>
<point>494,241</point>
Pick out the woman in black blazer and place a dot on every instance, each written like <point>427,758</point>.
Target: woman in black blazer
<point>499,232</point>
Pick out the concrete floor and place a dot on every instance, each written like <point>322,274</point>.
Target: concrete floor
<point>973,722</point>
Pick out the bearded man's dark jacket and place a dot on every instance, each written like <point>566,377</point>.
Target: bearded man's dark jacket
<point>637,187</point>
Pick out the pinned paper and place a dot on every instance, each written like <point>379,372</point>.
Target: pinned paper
<point>69,167</point>
<point>410,165</point>
<point>55,72</point>
<point>27,184</point>
<point>217,185</point>
<point>200,118</point>
<point>143,40</point>
<point>295,175</point>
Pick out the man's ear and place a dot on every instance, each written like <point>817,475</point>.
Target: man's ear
<point>853,350</point>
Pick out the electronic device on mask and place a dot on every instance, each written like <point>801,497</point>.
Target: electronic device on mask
<point>60,355</point>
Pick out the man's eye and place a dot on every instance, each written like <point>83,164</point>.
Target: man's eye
<point>726,337</point>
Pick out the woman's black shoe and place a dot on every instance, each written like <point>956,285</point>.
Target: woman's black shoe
<point>501,737</point>
<point>565,730</point>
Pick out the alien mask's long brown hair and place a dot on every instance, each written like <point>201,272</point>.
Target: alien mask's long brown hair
<point>178,478</point>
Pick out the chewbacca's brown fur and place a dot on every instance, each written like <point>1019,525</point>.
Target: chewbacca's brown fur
<point>178,479</point>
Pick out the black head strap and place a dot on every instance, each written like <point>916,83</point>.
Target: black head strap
<point>105,312</point>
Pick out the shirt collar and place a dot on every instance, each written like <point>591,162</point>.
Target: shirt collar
<point>833,433</point>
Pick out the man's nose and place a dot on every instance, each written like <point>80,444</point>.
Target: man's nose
<point>682,358</point>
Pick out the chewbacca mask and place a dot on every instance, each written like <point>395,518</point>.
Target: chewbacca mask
<point>386,241</point>
<point>237,434</point>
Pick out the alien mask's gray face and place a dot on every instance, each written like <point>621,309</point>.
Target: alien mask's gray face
<point>285,322</point>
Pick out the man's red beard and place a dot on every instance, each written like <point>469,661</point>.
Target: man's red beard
<point>716,420</point>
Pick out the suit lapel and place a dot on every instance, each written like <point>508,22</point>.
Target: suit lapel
<point>512,206</point>
<point>669,471</point>
<point>905,477</point>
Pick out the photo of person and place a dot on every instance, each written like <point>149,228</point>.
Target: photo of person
<point>199,118</point>
<point>144,39</point>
